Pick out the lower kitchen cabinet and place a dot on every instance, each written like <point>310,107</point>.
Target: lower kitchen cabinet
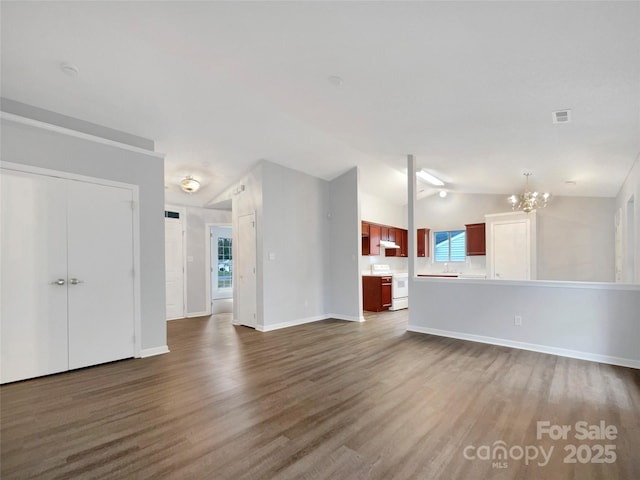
<point>376,293</point>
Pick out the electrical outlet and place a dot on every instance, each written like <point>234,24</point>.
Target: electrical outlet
<point>517,321</point>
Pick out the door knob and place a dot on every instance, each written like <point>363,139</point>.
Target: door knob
<point>59,281</point>
<point>75,281</point>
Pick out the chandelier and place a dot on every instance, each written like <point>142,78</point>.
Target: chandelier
<point>528,200</point>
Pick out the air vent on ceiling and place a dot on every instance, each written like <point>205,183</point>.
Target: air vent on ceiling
<point>561,116</point>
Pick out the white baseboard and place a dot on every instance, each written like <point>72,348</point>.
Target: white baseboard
<point>302,321</point>
<point>198,314</point>
<point>562,352</point>
<point>348,318</point>
<point>292,323</point>
<point>150,352</point>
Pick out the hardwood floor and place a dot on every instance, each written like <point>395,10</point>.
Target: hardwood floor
<point>328,400</point>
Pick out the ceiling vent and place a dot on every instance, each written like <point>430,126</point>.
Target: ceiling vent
<point>561,116</point>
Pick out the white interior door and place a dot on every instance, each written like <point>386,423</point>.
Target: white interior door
<point>101,275</point>
<point>511,253</point>
<point>245,275</point>
<point>174,267</point>
<point>33,311</point>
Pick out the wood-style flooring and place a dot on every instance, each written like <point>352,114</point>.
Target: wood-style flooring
<point>328,400</point>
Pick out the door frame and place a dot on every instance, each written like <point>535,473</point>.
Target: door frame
<point>135,192</point>
<point>208,258</point>
<point>183,222</point>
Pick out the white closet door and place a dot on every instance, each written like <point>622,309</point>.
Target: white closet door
<point>33,312</point>
<point>174,264</point>
<point>100,259</point>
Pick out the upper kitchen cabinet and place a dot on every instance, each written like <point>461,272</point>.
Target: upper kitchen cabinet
<point>423,242</point>
<point>476,240</point>
<point>399,237</point>
<point>370,239</point>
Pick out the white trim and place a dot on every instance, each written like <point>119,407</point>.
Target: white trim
<point>175,318</point>
<point>73,133</point>
<point>151,352</point>
<point>292,323</point>
<point>137,292</point>
<point>198,314</point>
<point>135,194</point>
<point>533,283</point>
<point>302,321</point>
<point>562,352</point>
<point>348,318</point>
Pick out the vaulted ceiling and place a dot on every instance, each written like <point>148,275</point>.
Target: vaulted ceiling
<point>467,87</point>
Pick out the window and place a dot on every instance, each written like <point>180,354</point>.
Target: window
<point>225,263</point>
<point>450,246</point>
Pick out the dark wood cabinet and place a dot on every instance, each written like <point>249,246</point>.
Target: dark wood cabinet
<point>399,236</point>
<point>374,239</point>
<point>476,243</point>
<point>376,293</point>
<point>365,238</point>
<point>423,242</point>
<point>404,243</point>
<point>372,233</point>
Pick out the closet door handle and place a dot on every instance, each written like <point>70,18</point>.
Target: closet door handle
<point>75,281</point>
<point>59,281</point>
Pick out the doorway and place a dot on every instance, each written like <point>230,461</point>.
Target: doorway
<point>220,281</point>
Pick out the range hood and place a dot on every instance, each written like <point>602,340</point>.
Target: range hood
<point>388,244</point>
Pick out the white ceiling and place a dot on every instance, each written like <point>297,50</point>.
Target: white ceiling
<point>468,88</point>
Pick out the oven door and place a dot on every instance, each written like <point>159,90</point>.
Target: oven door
<point>400,286</point>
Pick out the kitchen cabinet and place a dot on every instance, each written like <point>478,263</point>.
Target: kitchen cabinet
<point>370,238</point>
<point>384,232</point>
<point>476,243</point>
<point>423,242</point>
<point>376,293</point>
<point>399,236</point>
<point>365,227</point>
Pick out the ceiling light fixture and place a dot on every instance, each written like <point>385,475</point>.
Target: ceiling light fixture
<point>529,201</point>
<point>427,177</point>
<point>443,193</point>
<point>190,184</point>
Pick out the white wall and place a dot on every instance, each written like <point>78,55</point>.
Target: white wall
<point>295,235</point>
<point>197,246</point>
<point>575,240</point>
<point>599,323</point>
<point>575,235</point>
<point>377,210</point>
<point>311,228</point>
<point>630,189</point>
<point>47,149</point>
<point>343,253</point>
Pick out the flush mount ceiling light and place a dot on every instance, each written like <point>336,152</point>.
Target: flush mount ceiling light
<point>69,69</point>
<point>443,193</point>
<point>190,184</point>
<point>427,177</point>
<point>529,201</point>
